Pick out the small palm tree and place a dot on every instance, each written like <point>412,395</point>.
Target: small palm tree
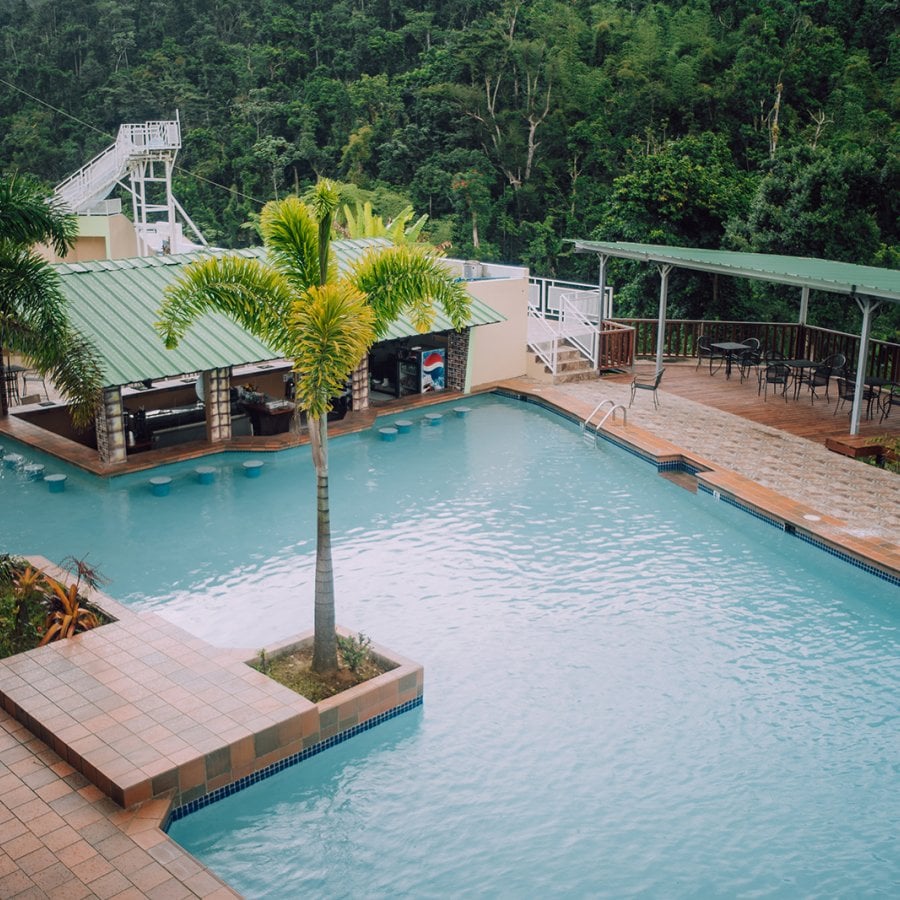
<point>33,318</point>
<point>325,322</point>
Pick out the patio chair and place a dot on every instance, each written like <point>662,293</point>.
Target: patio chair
<point>778,375</point>
<point>32,375</point>
<point>705,350</point>
<point>752,343</point>
<point>637,385</point>
<point>847,390</point>
<point>889,397</point>
<point>817,378</point>
<point>748,359</point>
<point>835,362</point>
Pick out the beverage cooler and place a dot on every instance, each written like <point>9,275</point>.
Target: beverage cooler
<point>421,370</point>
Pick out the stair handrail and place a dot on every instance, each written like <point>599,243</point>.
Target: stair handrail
<point>568,312</point>
<point>610,412</point>
<point>541,334</point>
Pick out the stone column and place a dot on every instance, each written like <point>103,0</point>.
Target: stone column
<point>217,396</point>
<point>457,359</point>
<point>110,427</point>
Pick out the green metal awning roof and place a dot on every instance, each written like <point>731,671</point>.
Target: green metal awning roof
<point>818,274</point>
<point>115,303</point>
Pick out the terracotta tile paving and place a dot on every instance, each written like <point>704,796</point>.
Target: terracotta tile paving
<point>80,843</point>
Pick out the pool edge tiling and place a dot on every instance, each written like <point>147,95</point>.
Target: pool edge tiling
<point>141,715</point>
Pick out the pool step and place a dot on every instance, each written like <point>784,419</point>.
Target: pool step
<point>682,479</point>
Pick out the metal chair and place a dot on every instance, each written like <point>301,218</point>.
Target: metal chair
<point>847,390</point>
<point>34,376</point>
<point>705,350</point>
<point>748,359</point>
<point>637,385</point>
<point>776,374</point>
<point>818,377</point>
<point>889,397</point>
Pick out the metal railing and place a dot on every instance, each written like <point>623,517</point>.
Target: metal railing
<point>96,178</point>
<point>575,326</point>
<point>614,407</point>
<point>793,340</point>
<point>543,338</point>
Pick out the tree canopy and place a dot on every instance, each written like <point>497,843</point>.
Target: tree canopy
<point>512,124</point>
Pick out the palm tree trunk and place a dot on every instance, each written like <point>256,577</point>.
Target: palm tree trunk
<point>4,404</point>
<point>324,639</point>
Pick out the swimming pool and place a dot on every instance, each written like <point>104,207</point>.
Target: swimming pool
<point>630,688</point>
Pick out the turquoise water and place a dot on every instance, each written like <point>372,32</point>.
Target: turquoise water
<point>630,689</point>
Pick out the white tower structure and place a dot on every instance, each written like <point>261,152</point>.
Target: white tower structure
<point>145,154</point>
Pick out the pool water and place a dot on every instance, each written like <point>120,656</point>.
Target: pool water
<point>630,689</point>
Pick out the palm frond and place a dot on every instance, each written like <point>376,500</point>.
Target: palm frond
<point>27,218</point>
<point>333,328</point>
<point>291,235</point>
<point>412,281</point>
<point>254,295</point>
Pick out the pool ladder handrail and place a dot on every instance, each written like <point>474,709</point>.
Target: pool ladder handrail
<point>610,412</point>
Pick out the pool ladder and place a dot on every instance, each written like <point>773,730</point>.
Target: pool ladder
<point>591,436</point>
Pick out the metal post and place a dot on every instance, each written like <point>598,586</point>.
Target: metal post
<point>867,307</point>
<point>664,269</point>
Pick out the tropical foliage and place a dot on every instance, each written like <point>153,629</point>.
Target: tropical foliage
<point>36,609</point>
<point>33,318</point>
<point>324,320</point>
<point>514,125</point>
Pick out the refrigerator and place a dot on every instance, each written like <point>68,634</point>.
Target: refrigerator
<point>422,370</point>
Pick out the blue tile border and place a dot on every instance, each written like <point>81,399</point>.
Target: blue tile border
<point>220,793</point>
<point>789,528</point>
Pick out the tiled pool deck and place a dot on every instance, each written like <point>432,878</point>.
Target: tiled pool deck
<point>102,735</point>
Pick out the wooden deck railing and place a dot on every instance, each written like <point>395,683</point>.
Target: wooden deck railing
<point>795,341</point>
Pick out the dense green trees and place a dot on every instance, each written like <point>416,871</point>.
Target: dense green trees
<point>513,123</point>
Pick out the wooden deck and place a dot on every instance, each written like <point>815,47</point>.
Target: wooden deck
<point>816,422</point>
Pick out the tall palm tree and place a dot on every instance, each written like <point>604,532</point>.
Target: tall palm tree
<point>33,318</point>
<point>324,321</point>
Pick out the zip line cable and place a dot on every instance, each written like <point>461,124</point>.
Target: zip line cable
<point>180,169</point>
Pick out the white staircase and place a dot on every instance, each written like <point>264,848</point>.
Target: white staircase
<point>134,146</point>
<point>144,153</point>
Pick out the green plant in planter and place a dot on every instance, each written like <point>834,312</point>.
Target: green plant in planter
<point>354,650</point>
<point>67,616</point>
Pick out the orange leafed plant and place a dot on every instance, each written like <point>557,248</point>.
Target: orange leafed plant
<point>68,616</point>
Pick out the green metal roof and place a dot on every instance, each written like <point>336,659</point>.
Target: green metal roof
<point>818,274</point>
<point>115,303</point>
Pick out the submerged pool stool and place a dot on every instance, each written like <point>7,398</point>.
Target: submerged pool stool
<point>33,471</point>
<point>160,485</point>
<point>55,483</point>
<point>12,460</point>
<point>388,434</point>
<point>433,418</point>
<point>205,474</point>
<point>252,467</point>
<point>403,425</point>
<point>461,411</point>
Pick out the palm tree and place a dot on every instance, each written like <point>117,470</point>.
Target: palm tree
<point>33,318</point>
<point>325,322</point>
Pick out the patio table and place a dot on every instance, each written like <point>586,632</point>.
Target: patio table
<point>800,365</point>
<point>731,349</point>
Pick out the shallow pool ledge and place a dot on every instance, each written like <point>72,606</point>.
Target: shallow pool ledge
<point>162,713</point>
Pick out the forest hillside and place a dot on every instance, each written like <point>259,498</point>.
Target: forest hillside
<point>768,125</point>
